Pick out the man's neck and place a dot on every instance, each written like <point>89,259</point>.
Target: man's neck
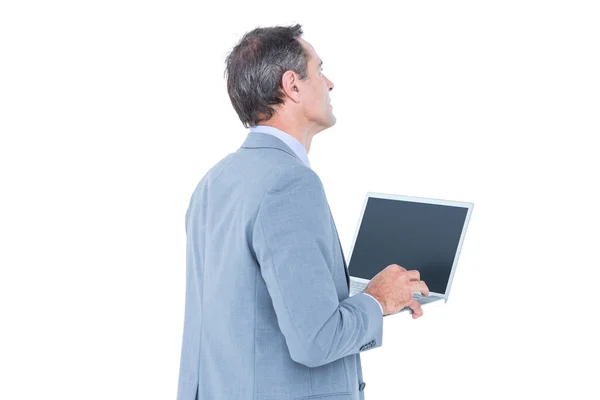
<point>300,134</point>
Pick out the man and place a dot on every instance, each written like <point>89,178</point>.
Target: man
<point>267,312</point>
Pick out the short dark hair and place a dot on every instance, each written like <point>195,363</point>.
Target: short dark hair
<point>255,67</point>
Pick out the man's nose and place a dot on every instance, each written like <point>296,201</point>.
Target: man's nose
<point>329,84</point>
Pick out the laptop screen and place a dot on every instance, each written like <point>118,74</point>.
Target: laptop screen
<point>413,235</point>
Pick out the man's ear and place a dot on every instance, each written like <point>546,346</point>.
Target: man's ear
<point>290,86</point>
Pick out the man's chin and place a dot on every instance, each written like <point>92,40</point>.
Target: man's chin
<point>328,123</point>
<point>332,120</point>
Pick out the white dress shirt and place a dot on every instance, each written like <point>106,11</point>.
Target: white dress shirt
<point>300,151</point>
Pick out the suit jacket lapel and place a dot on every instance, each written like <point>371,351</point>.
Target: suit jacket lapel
<point>341,250</point>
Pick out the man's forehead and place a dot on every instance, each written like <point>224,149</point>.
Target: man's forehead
<point>317,60</point>
<point>313,54</point>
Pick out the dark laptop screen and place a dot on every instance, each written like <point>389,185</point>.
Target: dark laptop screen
<point>413,235</point>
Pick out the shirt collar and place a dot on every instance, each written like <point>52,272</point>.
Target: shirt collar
<point>288,139</point>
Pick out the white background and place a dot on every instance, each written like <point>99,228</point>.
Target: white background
<point>112,111</point>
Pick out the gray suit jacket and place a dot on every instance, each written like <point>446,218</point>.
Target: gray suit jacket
<point>267,312</point>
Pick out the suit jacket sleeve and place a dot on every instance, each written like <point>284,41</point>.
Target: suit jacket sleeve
<point>292,239</point>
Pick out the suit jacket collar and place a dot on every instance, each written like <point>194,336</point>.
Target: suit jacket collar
<point>258,140</point>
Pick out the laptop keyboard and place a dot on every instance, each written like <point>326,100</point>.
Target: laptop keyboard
<point>426,299</point>
<point>356,287</point>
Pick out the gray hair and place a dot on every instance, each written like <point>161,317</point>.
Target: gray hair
<point>255,67</point>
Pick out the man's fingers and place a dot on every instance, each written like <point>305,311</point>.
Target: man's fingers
<point>419,286</point>
<point>413,275</point>
<point>416,307</point>
<point>401,268</point>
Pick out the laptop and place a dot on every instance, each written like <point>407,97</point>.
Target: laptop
<point>415,233</point>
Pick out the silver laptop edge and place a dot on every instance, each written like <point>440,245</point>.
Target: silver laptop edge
<point>468,206</point>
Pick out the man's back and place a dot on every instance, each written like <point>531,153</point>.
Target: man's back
<point>267,312</point>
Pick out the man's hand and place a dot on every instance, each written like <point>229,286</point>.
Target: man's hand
<point>393,288</point>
